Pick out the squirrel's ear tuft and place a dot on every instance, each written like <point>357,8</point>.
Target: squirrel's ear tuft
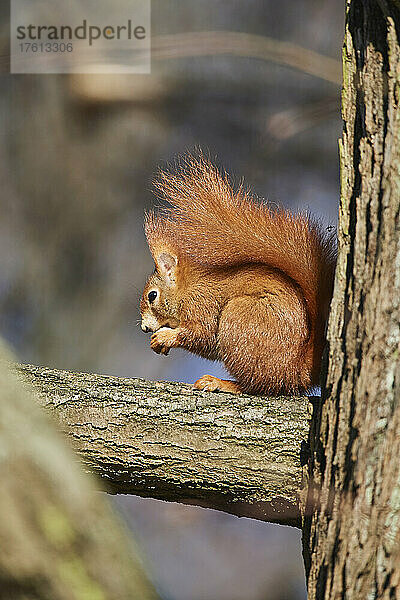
<point>166,266</point>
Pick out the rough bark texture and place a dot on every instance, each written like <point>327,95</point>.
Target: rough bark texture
<point>352,530</point>
<point>59,539</point>
<point>169,441</point>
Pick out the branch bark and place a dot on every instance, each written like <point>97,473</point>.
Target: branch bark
<point>166,440</point>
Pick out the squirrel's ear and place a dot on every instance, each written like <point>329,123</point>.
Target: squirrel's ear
<point>166,266</point>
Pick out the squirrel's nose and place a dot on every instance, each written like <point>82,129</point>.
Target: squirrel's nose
<point>145,328</point>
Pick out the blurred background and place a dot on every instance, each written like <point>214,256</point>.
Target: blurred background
<point>77,159</point>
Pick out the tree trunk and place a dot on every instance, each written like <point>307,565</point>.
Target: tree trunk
<point>351,535</point>
<point>240,454</point>
<point>59,540</point>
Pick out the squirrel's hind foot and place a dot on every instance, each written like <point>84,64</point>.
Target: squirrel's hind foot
<point>213,384</point>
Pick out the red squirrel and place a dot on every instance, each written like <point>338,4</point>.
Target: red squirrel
<point>237,281</point>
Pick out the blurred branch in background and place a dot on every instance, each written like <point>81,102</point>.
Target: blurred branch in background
<point>235,43</point>
<point>168,441</point>
<point>59,538</point>
<point>286,123</point>
<point>93,89</point>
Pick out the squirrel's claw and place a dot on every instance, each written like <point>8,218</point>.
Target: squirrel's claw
<point>163,340</point>
<point>157,345</point>
<point>213,384</point>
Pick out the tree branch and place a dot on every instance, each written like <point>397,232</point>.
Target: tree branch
<point>169,441</point>
<point>236,43</point>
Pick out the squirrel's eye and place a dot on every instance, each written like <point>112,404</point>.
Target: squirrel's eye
<point>152,296</point>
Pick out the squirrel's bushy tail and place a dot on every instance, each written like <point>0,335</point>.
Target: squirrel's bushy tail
<point>217,226</point>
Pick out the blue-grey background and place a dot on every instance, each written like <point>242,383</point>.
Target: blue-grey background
<point>77,157</point>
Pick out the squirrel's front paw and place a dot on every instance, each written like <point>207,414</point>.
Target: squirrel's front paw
<point>163,340</point>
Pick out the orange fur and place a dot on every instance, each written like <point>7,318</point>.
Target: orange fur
<point>252,285</point>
